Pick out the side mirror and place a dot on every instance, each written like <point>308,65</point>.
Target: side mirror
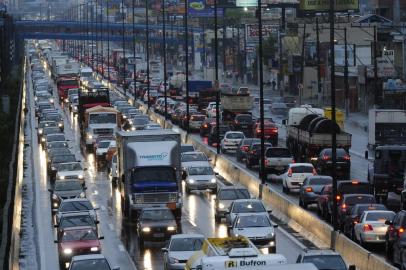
<point>116,268</point>
<point>97,222</point>
<point>101,237</point>
<point>50,190</point>
<point>56,241</point>
<point>164,249</point>
<point>56,226</point>
<point>216,173</point>
<point>352,267</point>
<point>275,225</point>
<point>388,222</point>
<point>85,169</point>
<point>269,211</point>
<point>96,208</point>
<point>84,188</point>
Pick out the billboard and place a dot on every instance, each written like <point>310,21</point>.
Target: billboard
<point>324,5</point>
<point>199,8</point>
<point>339,55</point>
<point>252,31</point>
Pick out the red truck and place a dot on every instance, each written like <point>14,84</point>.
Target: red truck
<point>64,84</point>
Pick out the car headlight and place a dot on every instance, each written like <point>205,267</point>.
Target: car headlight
<point>132,128</point>
<point>62,177</point>
<point>270,235</point>
<point>60,125</point>
<point>94,249</point>
<point>54,197</point>
<point>171,228</point>
<point>173,260</point>
<point>53,168</point>
<point>191,181</point>
<point>67,251</point>
<point>146,229</point>
<point>75,107</point>
<point>51,100</point>
<point>124,116</point>
<point>173,197</point>
<point>80,176</point>
<point>42,139</point>
<point>89,136</point>
<point>40,131</point>
<point>213,180</point>
<point>221,206</point>
<point>272,243</point>
<point>82,195</point>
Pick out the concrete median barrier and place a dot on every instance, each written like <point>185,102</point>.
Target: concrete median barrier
<point>285,209</point>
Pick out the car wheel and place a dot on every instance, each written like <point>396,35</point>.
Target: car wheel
<point>224,151</point>
<point>238,157</point>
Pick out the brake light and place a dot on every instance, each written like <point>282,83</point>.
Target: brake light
<point>368,227</point>
<point>258,130</point>
<point>205,126</point>
<point>344,207</point>
<point>290,173</point>
<point>325,157</point>
<point>314,171</point>
<point>338,197</point>
<point>274,130</point>
<point>236,122</point>
<point>354,182</point>
<point>347,157</point>
<point>401,231</point>
<point>244,148</point>
<point>266,162</point>
<point>309,189</point>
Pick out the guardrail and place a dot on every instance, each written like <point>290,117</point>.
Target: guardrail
<point>283,207</point>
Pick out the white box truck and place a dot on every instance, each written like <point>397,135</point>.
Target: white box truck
<point>386,127</point>
<point>149,170</point>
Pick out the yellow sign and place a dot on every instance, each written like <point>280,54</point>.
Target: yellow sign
<point>324,5</point>
<point>230,264</point>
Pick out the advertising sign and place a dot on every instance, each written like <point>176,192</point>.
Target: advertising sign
<point>252,31</point>
<point>386,66</point>
<point>247,3</point>
<point>339,51</point>
<point>199,8</point>
<point>324,5</point>
<point>310,54</point>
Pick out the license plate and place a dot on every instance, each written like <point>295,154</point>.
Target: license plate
<point>158,235</point>
<point>279,168</point>
<point>171,206</point>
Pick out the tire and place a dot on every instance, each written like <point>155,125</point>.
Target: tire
<point>224,151</point>
<point>125,206</point>
<point>238,157</point>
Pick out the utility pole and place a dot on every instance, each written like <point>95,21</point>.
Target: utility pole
<point>101,38</point>
<point>216,69</point>
<point>376,92</point>
<point>124,59</point>
<point>134,56</point>
<point>346,82</point>
<point>302,64</point>
<point>280,73</point>
<point>333,117</point>
<point>108,40</point>
<point>187,66</point>
<point>319,96</point>
<point>261,101</point>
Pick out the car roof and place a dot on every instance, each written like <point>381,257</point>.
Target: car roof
<point>155,208</point>
<point>193,153</point>
<point>247,200</point>
<point>312,252</point>
<point>73,214</point>
<point>300,164</point>
<point>88,257</point>
<point>185,235</point>
<point>232,187</point>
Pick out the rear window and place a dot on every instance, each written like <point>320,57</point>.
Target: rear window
<point>278,152</point>
<point>380,216</point>
<point>197,118</point>
<point>258,146</point>
<point>235,136</point>
<point>187,148</point>
<point>353,200</point>
<point>245,118</point>
<point>234,194</point>
<point>340,152</point>
<point>302,169</point>
<point>350,188</point>
<point>320,181</point>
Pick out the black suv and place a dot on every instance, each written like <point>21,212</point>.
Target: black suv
<point>254,154</point>
<point>324,163</point>
<point>243,148</point>
<point>244,123</point>
<point>395,238</point>
<point>212,137</point>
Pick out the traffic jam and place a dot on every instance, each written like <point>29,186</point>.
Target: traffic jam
<point>86,126</point>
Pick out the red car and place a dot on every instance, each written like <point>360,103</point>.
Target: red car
<point>271,131</point>
<point>74,241</point>
<point>322,201</point>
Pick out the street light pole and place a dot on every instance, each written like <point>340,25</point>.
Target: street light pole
<point>164,56</point>
<point>135,61</point>
<point>93,39</point>
<point>261,100</point>
<point>333,117</point>
<point>124,59</point>
<point>187,65</point>
<point>346,82</point>
<point>108,40</point>
<point>376,98</point>
<point>147,48</point>
<point>216,68</point>
<point>101,38</point>
<point>318,62</point>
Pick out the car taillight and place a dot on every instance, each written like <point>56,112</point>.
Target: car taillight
<point>205,126</point>
<point>258,130</point>
<point>338,198</point>
<point>290,173</point>
<point>367,227</point>
<point>401,231</point>
<point>314,171</point>
<point>344,207</point>
<point>244,148</point>
<point>225,140</point>
<point>274,130</point>
<point>266,162</point>
<point>293,161</point>
<point>326,157</point>
<point>236,122</point>
<point>309,189</point>
<point>347,157</point>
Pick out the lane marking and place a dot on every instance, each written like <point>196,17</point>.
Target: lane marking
<point>111,227</point>
<point>121,248</point>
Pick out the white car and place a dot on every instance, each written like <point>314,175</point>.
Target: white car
<point>90,261</point>
<point>71,170</point>
<point>245,206</point>
<point>180,248</point>
<point>152,126</point>
<point>295,175</point>
<point>200,178</point>
<point>256,227</point>
<point>195,158</point>
<point>371,227</point>
<point>231,141</point>
<point>211,110</point>
<point>103,147</point>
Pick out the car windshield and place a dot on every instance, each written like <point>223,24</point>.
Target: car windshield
<point>244,118</point>
<point>156,215</point>
<point>76,221</point>
<point>67,185</point>
<point>47,124</point>
<point>379,216</point>
<point>140,121</point>
<point>79,235</point>
<point>252,221</point>
<point>102,118</point>
<point>248,207</point>
<point>201,171</point>
<point>91,264</point>
<point>320,181</point>
<point>278,152</point>
<point>51,130</point>
<point>56,137</point>
<point>187,148</point>
<point>63,158</point>
<point>234,194</point>
<point>302,169</point>
<point>75,206</point>
<point>57,145</point>
<point>70,167</point>
<point>104,144</point>
<point>197,118</point>
<point>186,244</point>
<point>59,151</point>
<point>194,157</point>
<point>330,262</point>
<point>235,135</point>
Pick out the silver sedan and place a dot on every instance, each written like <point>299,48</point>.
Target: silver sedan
<point>372,227</point>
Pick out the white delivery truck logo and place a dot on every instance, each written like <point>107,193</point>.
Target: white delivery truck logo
<point>155,157</point>
<point>243,263</point>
